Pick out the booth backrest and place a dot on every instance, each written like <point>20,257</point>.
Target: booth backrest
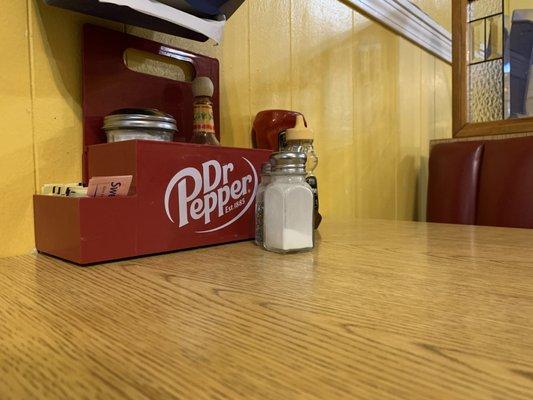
<point>482,183</point>
<point>453,182</point>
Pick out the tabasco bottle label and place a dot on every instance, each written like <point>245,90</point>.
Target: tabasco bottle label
<point>203,118</point>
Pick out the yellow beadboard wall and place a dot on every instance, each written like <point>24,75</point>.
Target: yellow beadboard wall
<point>374,99</point>
<point>17,166</point>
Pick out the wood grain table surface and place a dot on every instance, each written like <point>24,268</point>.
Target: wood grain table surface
<point>379,310</point>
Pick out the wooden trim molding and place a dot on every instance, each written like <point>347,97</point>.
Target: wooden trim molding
<point>461,126</point>
<point>503,127</point>
<point>409,21</point>
<point>459,73</point>
<point>476,138</point>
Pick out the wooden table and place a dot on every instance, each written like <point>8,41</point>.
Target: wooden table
<point>380,310</point>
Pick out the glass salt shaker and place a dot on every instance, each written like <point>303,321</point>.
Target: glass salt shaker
<point>260,202</point>
<point>288,205</point>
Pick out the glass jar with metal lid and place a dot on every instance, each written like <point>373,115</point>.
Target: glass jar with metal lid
<point>288,205</point>
<point>139,124</point>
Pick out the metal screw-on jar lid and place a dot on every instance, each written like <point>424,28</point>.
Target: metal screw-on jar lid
<point>288,162</point>
<point>139,118</point>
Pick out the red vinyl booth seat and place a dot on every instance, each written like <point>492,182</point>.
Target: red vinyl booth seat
<point>482,183</point>
<point>453,182</point>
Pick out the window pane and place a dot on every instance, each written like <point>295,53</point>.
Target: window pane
<point>477,41</point>
<point>485,92</point>
<point>494,37</point>
<point>483,8</point>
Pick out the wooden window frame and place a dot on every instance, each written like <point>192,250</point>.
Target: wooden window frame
<point>461,126</point>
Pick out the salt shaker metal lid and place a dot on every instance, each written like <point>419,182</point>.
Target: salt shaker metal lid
<point>288,162</point>
<point>139,118</point>
<point>266,168</point>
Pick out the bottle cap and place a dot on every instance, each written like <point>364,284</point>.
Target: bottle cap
<point>203,86</point>
<point>287,161</point>
<point>300,131</point>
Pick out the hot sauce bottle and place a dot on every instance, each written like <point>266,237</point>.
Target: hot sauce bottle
<point>203,119</point>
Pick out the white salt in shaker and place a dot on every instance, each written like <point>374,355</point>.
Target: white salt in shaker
<point>288,205</point>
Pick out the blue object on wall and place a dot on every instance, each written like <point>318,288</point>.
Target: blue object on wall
<point>211,7</point>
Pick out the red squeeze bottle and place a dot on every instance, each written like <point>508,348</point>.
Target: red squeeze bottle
<point>269,126</point>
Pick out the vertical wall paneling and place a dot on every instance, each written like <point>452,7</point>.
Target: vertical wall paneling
<point>443,102</point>
<point>409,129</point>
<point>270,54</point>
<point>56,71</point>
<point>322,89</point>
<point>17,182</point>
<point>436,117</point>
<point>235,100</point>
<point>427,123</point>
<point>376,79</point>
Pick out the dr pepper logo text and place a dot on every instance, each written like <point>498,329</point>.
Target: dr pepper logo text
<point>212,197</point>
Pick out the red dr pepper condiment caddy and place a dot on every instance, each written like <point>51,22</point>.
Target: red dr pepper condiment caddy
<point>182,195</point>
